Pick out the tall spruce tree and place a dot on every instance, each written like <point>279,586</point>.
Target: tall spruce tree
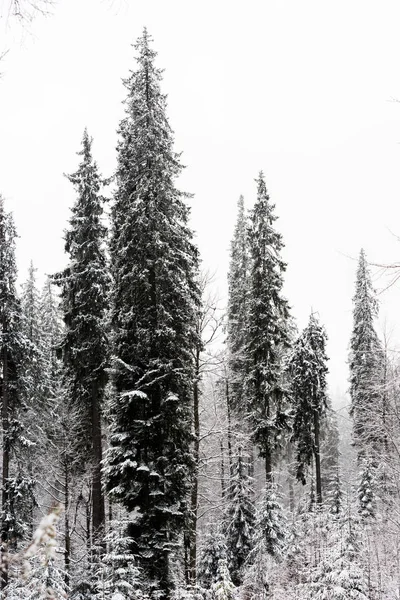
<point>84,286</point>
<point>240,518</point>
<point>12,348</point>
<point>237,313</point>
<point>51,330</point>
<point>153,314</point>
<point>366,367</point>
<point>267,329</point>
<point>32,412</point>
<point>307,366</point>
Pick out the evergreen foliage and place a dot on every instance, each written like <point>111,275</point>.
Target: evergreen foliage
<point>335,496</point>
<point>240,519</point>
<point>129,348</point>
<point>366,492</point>
<point>339,576</point>
<point>237,310</point>
<point>366,366</point>
<point>267,329</point>
<point>119,575</point>
<point>308,371</point>
<point>271,530</point>
<point>153,313</point>
<point>13,347</point>
<point>223,588</point>
<point>330,453</point>
<point>213,551</point>
<point>84,286</point>
<point>51,326</point>
<point>43,581</point>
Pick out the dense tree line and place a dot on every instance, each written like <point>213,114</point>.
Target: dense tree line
<point>186,468</point>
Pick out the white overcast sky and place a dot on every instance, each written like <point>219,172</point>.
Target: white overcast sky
<point>299,89</point>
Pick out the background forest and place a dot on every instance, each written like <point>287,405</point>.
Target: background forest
<point>170,444</point>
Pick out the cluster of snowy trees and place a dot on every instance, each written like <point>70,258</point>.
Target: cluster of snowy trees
<point>186,468</point>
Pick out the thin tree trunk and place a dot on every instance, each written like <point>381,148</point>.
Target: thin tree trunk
<point>89,540</point>
<point>223,489</point>
<point>228,410</point>
<point>267,449</point>
<point>268,463</point>
<point>98,509</point>
<point>290,479</point>
<point>67,547</point>
<point>317,456</point>
<point>195,486</point>
<point>6,467</point>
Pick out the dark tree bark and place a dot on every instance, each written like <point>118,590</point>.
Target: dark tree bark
<point>317,456</point>
<point>5,465</point>
<point>98,508</point>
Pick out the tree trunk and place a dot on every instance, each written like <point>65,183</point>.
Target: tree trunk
<point>6,467</point>
<point>268,463</point>
<point>223,489</point>
<point>98,509</point>
<point>89,538</point>
<point>228,410</point>
<point>290,479</point>
<point>195,486</point>
<point>317,456</point>
<point>67,546</point>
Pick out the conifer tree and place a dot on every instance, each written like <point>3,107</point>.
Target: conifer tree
<point>223,588</point>
<point>12,349</point>
<point>238,297</point>
<point>32,412</point>
<point>330,453</point>
<point>267,329</point>
<point>366,492</point>
<point>214,550</point>
<point>51,326</point>
<point>240,519</point>
<point>339,575</point>
<point>271,530</point>
<point>335,496</point>
<point>366,367</point>
<point>118,573</point>
<point>84,286</point>
<point>308,370</point>
<point>153,314</point>
<point>271,536</point>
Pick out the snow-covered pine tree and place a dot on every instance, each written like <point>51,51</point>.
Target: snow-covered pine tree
<point>33,391</point>
<point>307,366</point>
<point>271,530</point>
<point>51,326</point>
<point>214,550</point>
<point>223,587</point>
<point>118,574</point>
<point>366,368</point>
<point>330,453</point>
<point>335,495</point>
<point>153,314</point>
<point>338,575</point>
<point>240,518</point>
<point>237,312</point>
<point>366,492</point>
<point>271,534</point>
<point>44,580</point>
<point>84,284</point>
<point>12,349</point>
<point>267,329</point>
